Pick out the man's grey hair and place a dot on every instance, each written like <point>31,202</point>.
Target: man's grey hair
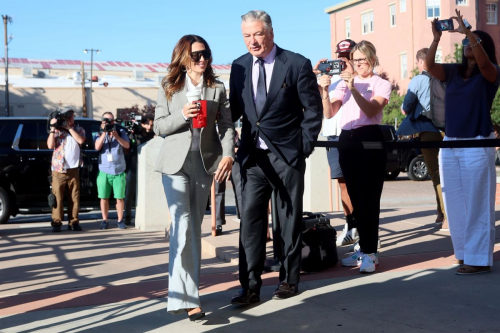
<point>258,15</point>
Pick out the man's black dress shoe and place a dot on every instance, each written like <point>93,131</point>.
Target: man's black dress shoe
<point>245,297</point>
<point>285,290</point>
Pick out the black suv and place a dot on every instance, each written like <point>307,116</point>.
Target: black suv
<point>405,160</point>
<point>25,163</point>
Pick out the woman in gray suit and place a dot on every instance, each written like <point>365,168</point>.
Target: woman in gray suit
<point>189,159</point>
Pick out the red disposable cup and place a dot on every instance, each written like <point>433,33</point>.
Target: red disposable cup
<point>201,119</point>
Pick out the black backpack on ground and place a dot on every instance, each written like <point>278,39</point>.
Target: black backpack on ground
<point>319,249</point>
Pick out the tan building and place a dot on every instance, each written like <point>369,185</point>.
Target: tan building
<point>399,28</point>
<point>38,87</point>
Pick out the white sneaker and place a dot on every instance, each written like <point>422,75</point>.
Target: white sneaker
<point>369,262</point>
<point>347,236</point>
<point>354,260</point>
<point>355,247</point>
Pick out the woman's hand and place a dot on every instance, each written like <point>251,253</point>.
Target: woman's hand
<point>461,25</point>
<point>348,78</point>
<point>224,169</point>
<point>349,68</point>
<point>190,110</point>
<point>437,34</point>
<point>324,83</point>
<point>315,68</point>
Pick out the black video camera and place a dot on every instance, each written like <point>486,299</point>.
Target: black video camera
<point>132,126</point>
<point>109,126</point>
<point>61,120</point>
<point>331,67</point>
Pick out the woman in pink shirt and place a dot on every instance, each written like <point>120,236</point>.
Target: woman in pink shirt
<point>362,97</point>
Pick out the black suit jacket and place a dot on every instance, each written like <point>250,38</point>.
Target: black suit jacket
<point>291,118</point>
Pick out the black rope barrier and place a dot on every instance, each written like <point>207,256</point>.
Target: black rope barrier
<point>410,144</point>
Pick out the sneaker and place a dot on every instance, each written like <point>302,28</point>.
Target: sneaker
<point>348,236</point>
<point>355,247</point>
<point>75,227</point>
<point>104,225</point>
<point>56,228</point>
<point>121,225</point>
<point>353,260</point>
<point>369,262</point>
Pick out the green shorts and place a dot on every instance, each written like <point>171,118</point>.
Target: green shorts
<point>106,182</point>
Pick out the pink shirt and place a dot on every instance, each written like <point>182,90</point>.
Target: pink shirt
<point>352,116</point>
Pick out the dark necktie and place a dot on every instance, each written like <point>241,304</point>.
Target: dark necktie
<point>261,95</point>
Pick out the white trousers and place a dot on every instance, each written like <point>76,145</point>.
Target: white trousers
<point>187,195</point>
<point>468,182</point>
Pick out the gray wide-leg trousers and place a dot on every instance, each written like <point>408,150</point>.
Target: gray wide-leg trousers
<point>187,194</point>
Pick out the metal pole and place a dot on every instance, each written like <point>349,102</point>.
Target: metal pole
<point>91,65</point>
<point>7,104</point>
<point>83,92</point>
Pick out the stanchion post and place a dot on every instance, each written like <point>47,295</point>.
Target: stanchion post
<point>330,189</point>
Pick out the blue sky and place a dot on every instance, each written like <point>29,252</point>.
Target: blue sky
<point>147,30</point>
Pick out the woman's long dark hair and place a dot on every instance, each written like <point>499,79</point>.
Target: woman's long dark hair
<point>489,47</point>
<point>181,58</point>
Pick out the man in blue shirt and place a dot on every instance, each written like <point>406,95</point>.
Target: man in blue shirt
<point>417,98</point>
<point>111,142</point>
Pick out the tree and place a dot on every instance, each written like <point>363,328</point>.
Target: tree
<point>392,111</point>
<point>456,56</point>
<point>495,110</point>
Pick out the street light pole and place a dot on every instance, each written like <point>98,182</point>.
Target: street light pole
<point>6,19</point>
<point>91,68</point>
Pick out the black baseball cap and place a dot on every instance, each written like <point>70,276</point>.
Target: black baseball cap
<point>345,46</point>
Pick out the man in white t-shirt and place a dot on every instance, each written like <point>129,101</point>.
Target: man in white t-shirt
<point>331,129</point>
<point>65,138</point>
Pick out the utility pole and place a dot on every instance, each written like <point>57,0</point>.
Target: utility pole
<point>83,93</point>
<point>91,67</point>
<point>6,19</point>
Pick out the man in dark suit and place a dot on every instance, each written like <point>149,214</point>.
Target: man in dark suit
<point>277,94</point>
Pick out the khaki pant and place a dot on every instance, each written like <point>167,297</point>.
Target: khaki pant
<point>432,162</point>
<point>71,180</point>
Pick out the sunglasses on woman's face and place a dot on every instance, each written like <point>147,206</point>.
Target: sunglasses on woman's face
<point>196,55</point>
<point>466,42</point>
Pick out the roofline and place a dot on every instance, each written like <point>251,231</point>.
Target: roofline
<point>342,5</point>
<point>2,118</point>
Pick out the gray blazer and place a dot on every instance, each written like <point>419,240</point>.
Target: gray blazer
<point>170,124</point>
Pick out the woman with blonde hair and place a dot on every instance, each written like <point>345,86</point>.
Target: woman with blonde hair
<point>189,158</point>
<point>362,96</point>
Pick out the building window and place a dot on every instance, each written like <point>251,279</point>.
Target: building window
<point>402,6</point>
<point>392,15</point>
<point>347,28</point>
<point>367,22</point>
<point>438,58</point>
<point>403,61</point>
<point>461,2</point>
<point>491,13</point>
<point>433,8</point>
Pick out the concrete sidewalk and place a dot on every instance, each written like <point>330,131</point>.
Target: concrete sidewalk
<point>116,281</point>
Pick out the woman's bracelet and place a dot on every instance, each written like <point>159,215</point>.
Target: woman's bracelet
<point>436,41</point>
<point>476,44</point>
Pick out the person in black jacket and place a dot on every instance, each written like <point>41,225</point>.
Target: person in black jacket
<point>276,92</point>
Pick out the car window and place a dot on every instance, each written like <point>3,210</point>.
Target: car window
<point>42,136</point>
<point>7,133</point>
<point>29,136</point>
<point>90,130</point>
<point>388,137</point>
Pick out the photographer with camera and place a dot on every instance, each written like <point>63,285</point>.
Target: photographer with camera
<point>332,129</point>
<point>65,138</point>
<point>111,142</point>
<point>138,134</point>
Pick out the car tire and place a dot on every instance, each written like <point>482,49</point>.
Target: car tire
<point>391,175</point>
<point>417,170</point>
<point>5,206</point>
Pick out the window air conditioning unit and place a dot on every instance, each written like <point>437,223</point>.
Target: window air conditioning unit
<point>28,71</point>
<point>138,75</point>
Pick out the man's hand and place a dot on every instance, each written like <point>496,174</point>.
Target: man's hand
<point>349,68</point>
<point>53,121</point>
